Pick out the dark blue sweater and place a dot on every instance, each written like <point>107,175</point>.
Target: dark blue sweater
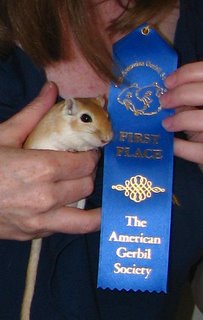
<point>66,283</point>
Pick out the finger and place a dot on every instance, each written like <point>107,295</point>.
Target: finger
<point>192,72</point>
<point>46,197</point>
<point>46,165</point>
<point>69,192</point>
<point>68,220</point>
<point>61,165</point>
<point>16,129</point>
<point>191,151</point>
<point>185,121</point>
<point>184,95</point>
<point>8,233</point>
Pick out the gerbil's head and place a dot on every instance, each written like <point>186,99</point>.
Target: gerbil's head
<point>89,121</point>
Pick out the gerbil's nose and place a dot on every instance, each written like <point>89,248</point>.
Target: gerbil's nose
<point>104,141</point>
<point>107,139</point>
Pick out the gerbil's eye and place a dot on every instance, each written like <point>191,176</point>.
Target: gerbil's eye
<point>85,118</point>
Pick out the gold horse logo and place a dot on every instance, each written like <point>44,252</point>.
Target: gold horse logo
<point>141,100</point>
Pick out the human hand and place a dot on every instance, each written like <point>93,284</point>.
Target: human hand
<point>185,95</point>
<point>36,185</point>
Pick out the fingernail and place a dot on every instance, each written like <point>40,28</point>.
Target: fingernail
<point>163,100</point>
<point>170,81</point>
<point>168,124</point>
<point>46,88</point>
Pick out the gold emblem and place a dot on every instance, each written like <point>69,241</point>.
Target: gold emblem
<point>138,188</point>
<point>142,100</point>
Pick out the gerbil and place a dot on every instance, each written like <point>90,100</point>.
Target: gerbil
<point>71,125</point>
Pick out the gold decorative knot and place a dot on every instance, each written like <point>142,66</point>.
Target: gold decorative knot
<point>138,188</point>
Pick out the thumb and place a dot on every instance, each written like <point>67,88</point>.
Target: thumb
<point>15,130</point>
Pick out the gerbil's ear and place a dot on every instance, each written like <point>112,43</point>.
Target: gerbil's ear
<point>100,101</point>
<point>70,107</point>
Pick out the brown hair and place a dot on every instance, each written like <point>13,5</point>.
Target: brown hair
<point>37,26</point>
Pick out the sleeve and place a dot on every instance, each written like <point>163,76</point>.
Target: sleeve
<point>20,82</point>
<point>189,35</point>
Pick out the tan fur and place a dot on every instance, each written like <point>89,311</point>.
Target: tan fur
<point>51,121</point>
<point>62,129</point>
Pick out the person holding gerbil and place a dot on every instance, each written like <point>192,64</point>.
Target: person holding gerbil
<point>52,50</point>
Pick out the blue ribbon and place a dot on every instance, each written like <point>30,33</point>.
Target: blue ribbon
<point>138,170</point>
